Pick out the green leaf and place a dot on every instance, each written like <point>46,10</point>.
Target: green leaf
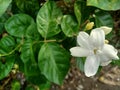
<point>6,44</point>
<point>48,19</point>
<point>32,32</point>
<point>17,25</point>
<point>31,69</point>
<point>3,5</point>
<point>77,12</point>
<point>105,4</point>
<point>28,6</point>
<point>53,62</point>
<point>15,85</point>
<point>33,74</point>
<point>69,25</point>
<point>27,52</point>
<point>6,64</point>
<point>45,86</point>
<point>3,19</point>
<point>7,41</point>
<point>80,63</point>
<point>103,19</point>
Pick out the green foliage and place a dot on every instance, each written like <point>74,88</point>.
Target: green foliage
<point>17,25</point>
<point>103,18</point>
<point>37,35</point>
<point>105,4</point>
<point>48,19</point>
<point>77,11</point>
<point>69,25</point>
<point>3,6</point>
<point>55,64</point>
<point>15,85</point>
<point>6,65</point>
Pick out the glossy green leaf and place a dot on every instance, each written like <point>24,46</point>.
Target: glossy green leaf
<point>27,53</point>
<point>33,73</point>
<point>3,19</point>
<point>18,24</point>
<point>31,69</point>
<point>28,6</point>
<point>7,41</point>
<point>48,19</point>
<point>53,62</point>
<point>103,19</point>
<point>69,25</point>
<point>3,5</point>
<point>6,65</point>
<point>6,44</point>
<point>32,32</point>
<point>77,11</point>
<point>105,4</point>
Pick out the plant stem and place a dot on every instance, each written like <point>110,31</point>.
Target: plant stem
<point>2,55</point>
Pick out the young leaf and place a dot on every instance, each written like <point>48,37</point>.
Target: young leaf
<point>3,5</point>
<point>18,24</point>
<point>77,12</point>
<point>53,62</point>
<point>105,4</point>
<point>103,19</point>
<point>27,53</point>
<point>48,19</point>
<point>6,44</point>
<point>69,25</point>
<point>32,32</point>
<point>6,65</point>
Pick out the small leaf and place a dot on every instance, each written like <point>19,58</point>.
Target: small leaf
<point>103,19</point>
<point>80,63</point>
<point>27,52</point>
<point>105,4</point>
<point>32,32</point>
<point>77,12</point>
<point>69,25</point>
<point>53,62</point>
<point>3,5</point>
<point>6,65</point>
<point>17,25</point>
<point>6,44</point>
<point>48,19</point>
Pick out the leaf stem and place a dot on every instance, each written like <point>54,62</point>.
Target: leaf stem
<point>2,55</point>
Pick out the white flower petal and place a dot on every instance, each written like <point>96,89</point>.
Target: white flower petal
<point>110,51</point>
<point>91,65</point>
<point>82,39</point>
<point>106,29</point>
<point>97,38</point>
<point>105,63</point>
<point>79,52</point>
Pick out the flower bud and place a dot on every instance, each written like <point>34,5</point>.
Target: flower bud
<point>16,66</point>
<point>106,29</point>
<point>106,41</point>
<point>89,25</point>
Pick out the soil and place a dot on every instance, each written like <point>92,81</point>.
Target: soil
<point>76,80</point>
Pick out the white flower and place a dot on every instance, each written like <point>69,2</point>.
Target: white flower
<point>106,29</point>
<point>95,49</point>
